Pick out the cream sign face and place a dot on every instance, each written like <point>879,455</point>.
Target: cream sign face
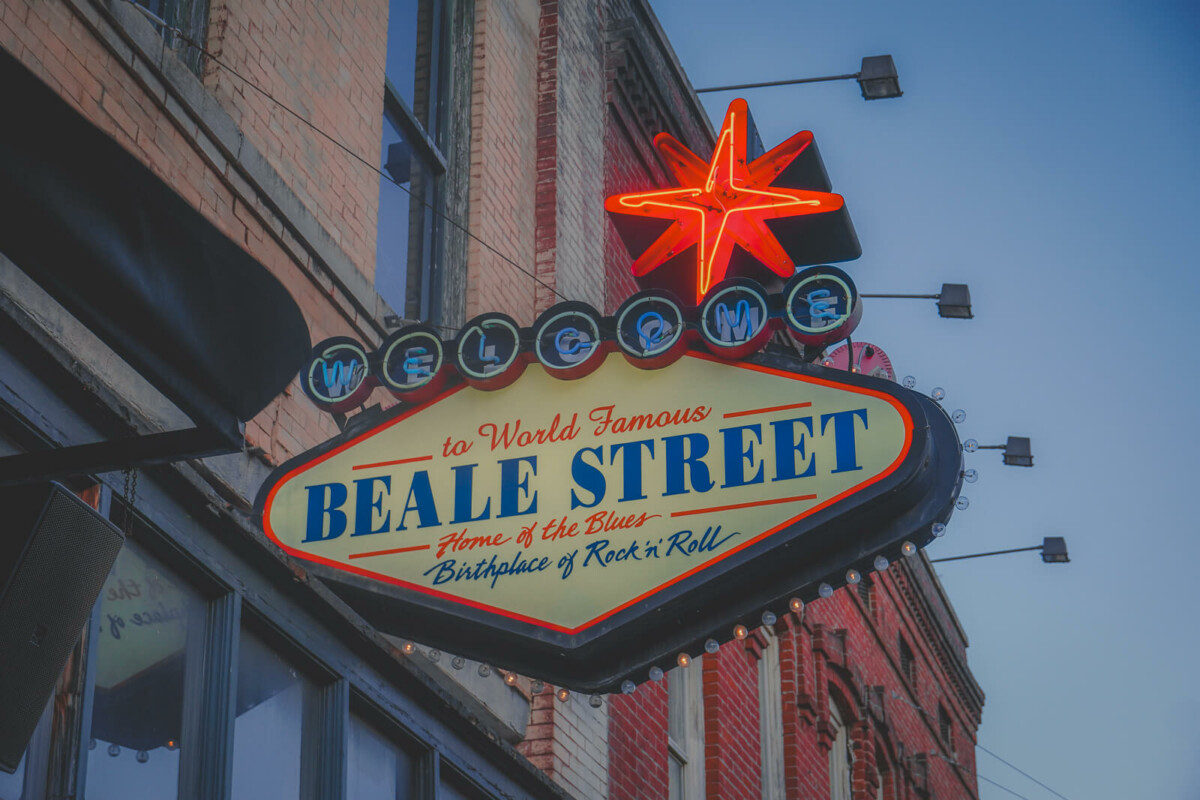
<point>560,503</point>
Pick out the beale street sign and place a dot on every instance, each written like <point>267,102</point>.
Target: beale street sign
<point>583,500</point>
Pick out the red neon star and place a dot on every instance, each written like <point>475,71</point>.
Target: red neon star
<point>723,202</point>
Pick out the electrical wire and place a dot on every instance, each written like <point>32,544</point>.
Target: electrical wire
<point>335,142</point>
<point>1018,769</point>
<point>1001,787</point>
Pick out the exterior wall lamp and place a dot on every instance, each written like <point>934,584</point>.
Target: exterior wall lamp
<point>1017,450</point>
<point>953,302</point>
<point>877,79</point>
<point>1054,551</point>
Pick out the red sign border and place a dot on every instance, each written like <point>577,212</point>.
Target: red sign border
<point>456,600</point>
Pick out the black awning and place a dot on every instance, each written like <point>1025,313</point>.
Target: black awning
<point>198,317</point>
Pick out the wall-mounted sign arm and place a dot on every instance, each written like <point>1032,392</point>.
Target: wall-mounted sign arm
<point>98,457</point>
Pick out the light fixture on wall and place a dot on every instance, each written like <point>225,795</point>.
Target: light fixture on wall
<point>877,79</point>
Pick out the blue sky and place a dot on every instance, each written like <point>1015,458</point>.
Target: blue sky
<point>1045,153</point>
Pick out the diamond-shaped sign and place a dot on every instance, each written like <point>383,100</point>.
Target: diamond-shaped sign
<point>572,530</point>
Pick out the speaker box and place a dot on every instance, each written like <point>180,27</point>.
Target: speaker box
<point>55,553</point>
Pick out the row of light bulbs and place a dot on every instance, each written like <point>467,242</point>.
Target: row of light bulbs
<point>711,646</point>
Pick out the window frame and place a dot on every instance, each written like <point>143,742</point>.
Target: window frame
<point>428,149</point>
<point>688,752</point>
<point>770,719</point>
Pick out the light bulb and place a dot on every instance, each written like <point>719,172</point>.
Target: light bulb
<point>825,590</point>
<point>595,701</point>
<point>538,686</point>
<point>937,529</point>
<point>114,750</point>
<point>881,562</point>
<point>962,503</point>
<point>970,445</point>
<point>656,673</point>
<point>910,382</point>
<point>628,687</point>
<point>563,695</point>
<point>796,604</point>
<point>142,756</point>
<point>683,660</point>
<point>938,393</point>
<point>711,646</point>
<point>458,662</point>
<point>740,632</point>
<point>510,678</point>
<point>853,576</point>
<point>970,475</point>
<point>92,744</point>
<point>484,670</point>
<point>409,648</point>
<point>433,654</point>
<point>908,549</point>
<point>768,618</point>
<point>959,416</point>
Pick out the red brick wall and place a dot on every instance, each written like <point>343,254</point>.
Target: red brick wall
<point>731,723</point>
<point>637,744</point>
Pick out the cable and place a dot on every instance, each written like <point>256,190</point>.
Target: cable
<point>1018,769</point>
<point>192,43</point>
<point>999,786</point>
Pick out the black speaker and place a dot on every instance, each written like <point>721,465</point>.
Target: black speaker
<point>55,553</point>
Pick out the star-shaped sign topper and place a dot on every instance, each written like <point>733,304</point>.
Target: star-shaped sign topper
<point>735,212</point>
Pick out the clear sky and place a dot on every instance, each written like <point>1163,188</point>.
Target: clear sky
<point>1045,153</point>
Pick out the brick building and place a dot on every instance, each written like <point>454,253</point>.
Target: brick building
<point>414,160</point>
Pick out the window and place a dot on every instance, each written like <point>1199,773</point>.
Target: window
<point>273,699</point>
<point>377,768</point>
<point>770,719</point>
<point>946,731</point>
<point>189,16</point>
<point>866,594</point>
<point>685,733</point>
<point>840,760</point>
<point>415,106</point>
<point>908,664</point>
<point>142,656</point>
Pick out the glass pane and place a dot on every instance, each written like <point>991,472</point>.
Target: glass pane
<point>402,218</point>
<point>271,700</point>
<point>11,786</point>
<point>141,657</point>
<point>677,697</point>
<point>455,788</point>
<point>376,769</point>
<point>674,778</point>
<point>412,57</point>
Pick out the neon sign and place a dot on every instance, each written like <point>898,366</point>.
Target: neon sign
<point>586,498</point>
<point>733,202</point>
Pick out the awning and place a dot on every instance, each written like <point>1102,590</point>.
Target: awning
<point>198,317</point>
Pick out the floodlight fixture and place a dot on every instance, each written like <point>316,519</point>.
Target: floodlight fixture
<point>1053,548</point>
<point>877,79</point>
<point>953,301</point>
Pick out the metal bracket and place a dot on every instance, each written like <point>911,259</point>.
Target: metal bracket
<point>154,448</point>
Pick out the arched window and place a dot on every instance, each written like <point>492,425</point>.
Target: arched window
<point>840,759</point>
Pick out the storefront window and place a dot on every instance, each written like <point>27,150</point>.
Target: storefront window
<point>455,788</point>
<point>141,659</point>
<point>376,768</point>
<point>272,697</point>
